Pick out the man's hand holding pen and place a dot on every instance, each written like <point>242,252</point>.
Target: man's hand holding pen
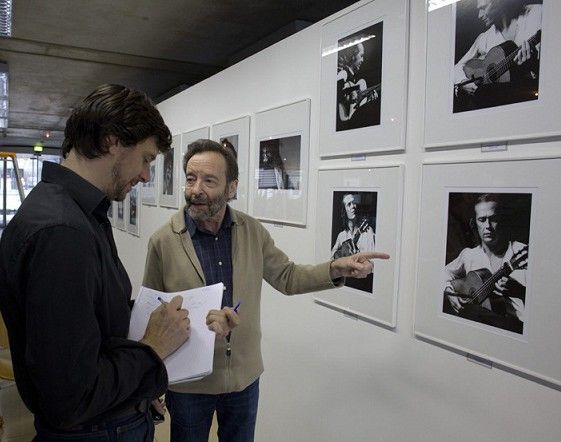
<point>223,321</point>
<point>168,327</point>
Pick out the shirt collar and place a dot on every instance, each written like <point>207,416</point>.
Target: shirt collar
<point>192,226</point>
<point>87,196</point>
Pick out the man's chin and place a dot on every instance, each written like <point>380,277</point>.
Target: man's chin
<point>196,214</point>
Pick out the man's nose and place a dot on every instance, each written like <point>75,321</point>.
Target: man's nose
<point>196,187</point>
<point>145,174</point>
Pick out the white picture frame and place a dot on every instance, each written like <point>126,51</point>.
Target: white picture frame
<point>186,139</point>
<point>119,208</point>
<point>149,191</point>
<point>286,129</point>
<point>378,302</point>
<point>382,120</point>
<point>236,133</point>
<point>534,348</point>
<point>169,188</point>
<point>522,120</point>
<point>133,203</point>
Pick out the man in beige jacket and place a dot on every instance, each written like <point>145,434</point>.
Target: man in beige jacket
<point>207,242</point>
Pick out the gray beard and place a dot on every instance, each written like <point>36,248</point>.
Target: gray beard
<point>213,208</point>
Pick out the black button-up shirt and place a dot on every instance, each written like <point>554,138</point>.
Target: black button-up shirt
<point>64,297</point>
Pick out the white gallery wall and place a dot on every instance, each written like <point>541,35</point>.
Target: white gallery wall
<point>329,377</point>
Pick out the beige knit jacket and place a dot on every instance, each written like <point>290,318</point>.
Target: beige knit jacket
<point>172,265</point>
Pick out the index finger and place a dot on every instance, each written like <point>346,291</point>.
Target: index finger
<point>373,255</point>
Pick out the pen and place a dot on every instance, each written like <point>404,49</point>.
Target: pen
<point>227,338</point>
<point>165,303</point>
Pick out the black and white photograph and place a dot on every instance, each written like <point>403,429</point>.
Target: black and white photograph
<point>120,218</point>
<point>167,172</point>
<point>231,143</point>
<point>149,188</point>
<point>497,53</point>
<point>133,200</point>
<point>133,210</point>
<point>359,79</point>
<point>359,210</point>
<point>354,229</point>
<point>487,247</point>
<point>110,212</point>
<point>279,163</point>
<point>234,135</point>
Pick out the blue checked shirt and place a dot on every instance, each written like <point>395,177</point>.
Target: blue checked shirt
<point>214,253</point>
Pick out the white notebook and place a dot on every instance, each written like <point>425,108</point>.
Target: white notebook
<point>193,360</point>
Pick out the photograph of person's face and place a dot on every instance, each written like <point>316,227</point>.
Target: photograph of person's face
<point>353,227</point>
<point>350,206</point>
<point>358,58</point>
<point>483,11</point>
<point>279,163</point>
<point>487,222</point>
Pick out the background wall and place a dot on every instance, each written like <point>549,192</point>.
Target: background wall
<point>329,377</point>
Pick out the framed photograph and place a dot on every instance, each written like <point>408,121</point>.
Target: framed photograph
<point>149,191</point>
<point>492,70</point>
<point>234,134</point>
<point>361,212</point>
<point>364,80</point>
<point>186,139</point>
<point>487,275</point>
<point>168,190</point>
<point>119,207</point>
<point>110,213</point>
<point>133,210</point>
<point>279,190</point>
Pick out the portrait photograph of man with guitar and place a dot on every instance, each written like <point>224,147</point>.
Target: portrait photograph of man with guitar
<point>359,79</point>
<point>353,229</point>
<point>487,258</point>
<point>497,53</point>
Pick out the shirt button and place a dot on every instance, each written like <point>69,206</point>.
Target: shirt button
<point>216,238</point>
<point>219,263</point>
<point>224,288</point>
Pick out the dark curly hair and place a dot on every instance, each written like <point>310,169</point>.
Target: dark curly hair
<point>113,110</point>
<point>509,9</point>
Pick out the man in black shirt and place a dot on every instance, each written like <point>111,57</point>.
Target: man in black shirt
<point>64,293</point>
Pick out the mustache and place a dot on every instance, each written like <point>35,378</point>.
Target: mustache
<point>197,200</point>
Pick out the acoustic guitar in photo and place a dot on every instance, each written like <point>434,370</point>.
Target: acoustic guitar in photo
<point>350,246</point>
<point>355,95</point>
<point>478,285</point>
<point>498,66</point>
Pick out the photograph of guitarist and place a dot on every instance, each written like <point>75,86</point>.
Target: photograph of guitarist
<point>359,76</point>
<point>502,65</point>
<point>357,233</point>
<point>487,283</point>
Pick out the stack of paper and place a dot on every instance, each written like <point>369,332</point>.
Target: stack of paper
<point>193,360</point>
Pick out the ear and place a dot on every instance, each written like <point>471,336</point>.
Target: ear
<point>233,188</point>
<point>112,144</point>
